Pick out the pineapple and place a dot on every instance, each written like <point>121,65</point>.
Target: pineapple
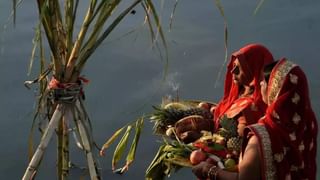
<point>228,128</point>
<point>234,144</point>
<point>224,133</point>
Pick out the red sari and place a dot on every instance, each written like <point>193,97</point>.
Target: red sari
<point>288,132</point>
<point>252,59</point>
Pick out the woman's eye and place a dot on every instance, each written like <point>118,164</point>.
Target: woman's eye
<point>235,70</point>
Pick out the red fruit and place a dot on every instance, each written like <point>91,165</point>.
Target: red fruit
<point>197,156</point>
<point>204,105</point>
<point>212,109</point>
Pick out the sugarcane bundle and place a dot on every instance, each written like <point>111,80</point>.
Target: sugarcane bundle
<point>61,93</point>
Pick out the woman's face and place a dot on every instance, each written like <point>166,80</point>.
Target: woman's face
<point>238,75</point>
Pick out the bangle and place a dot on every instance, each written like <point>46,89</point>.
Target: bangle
<point>213,172</point>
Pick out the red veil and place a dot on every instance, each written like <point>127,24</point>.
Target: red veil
<point>252,58</point>
<point>290,124</point>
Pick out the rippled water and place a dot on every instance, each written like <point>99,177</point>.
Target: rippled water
<point>126,73</point>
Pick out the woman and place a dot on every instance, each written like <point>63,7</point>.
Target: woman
<point>242,99</point>
<point>283,144</point>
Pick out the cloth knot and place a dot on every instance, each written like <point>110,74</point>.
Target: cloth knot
<point>66,92</point>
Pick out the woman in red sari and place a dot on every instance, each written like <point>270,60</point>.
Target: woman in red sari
<point>283,144</point>
<point>242,98</point>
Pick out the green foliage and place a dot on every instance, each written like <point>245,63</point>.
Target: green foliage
<point>229,124</point>
<point>120,149</point>
<point>69,51</point>
<point>170,157</point>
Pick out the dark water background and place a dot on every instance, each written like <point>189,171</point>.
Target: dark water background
<point>126,73</point>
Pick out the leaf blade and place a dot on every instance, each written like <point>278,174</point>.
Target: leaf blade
<point>121,147</point>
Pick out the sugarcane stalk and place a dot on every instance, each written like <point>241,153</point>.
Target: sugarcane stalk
<point>77,46</point>
<point>34,163</point>
<point>63,148</point>
<point>86,141</point>
<point>69,24</point>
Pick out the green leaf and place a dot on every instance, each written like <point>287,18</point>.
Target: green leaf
<point>14,5</point>
<point>172,14</point>
<point>220,7</point>
<point>112,139</point>
<point>159,29</point>
<point>105,9</point>
<point>85,54</point>
<point>157,170</point>
<point>258,7</point>
<point>121,147</point>
<point>132,151</point>
<point>156,160</point>
<point>35,43</point>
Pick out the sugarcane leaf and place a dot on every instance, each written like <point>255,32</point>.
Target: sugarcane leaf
<point>118,152</point>
<point>156,160</point>
<point>148,20</point>
<point>134,145</point>
<point>43,87</point>
<point>85,113</point>
<point>157,21</point>
<point>160,31</point>
<point>14,6</point>
<point>258,7</point>
<point>105,8</point>
<point>112,139</point>
<point>156,172</point>
<point>30,138</point>
<point>74,56</point>
<point>35,43</point>
<point>85,54</point>
<point>49,24</point>
<point>172,14</point>
<point>220,7</point>
<point>221,10</point>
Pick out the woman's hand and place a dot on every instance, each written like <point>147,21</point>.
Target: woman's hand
<point>201,170</point>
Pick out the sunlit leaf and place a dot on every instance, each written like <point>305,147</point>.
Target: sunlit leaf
<point>35,42</point>
<point>118,152</point>
<point>88,52</point>
<point>155,164</point>
<point>172,14</point>
<point>258,7</point>
<point>112,139</point>
<point>134,145</point>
